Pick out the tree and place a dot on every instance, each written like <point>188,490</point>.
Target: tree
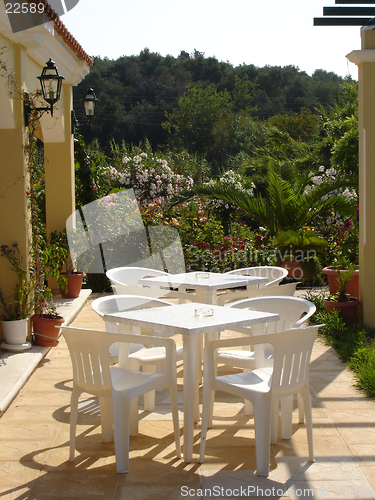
<point>192,122</point>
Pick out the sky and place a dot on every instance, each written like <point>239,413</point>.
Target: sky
<point>259,32</point>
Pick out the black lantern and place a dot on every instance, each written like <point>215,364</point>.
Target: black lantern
<point>51,82</point>
<point>89,103</point>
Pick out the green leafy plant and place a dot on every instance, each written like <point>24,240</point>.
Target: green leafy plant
<point>300,245</point>
<point>343,278</point>
<point>354,344</point>
<point>20,305</point>
<point>59,241</point>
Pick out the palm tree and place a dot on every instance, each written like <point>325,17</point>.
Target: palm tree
<point>291,200</point>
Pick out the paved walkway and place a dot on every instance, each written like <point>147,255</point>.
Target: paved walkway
<point>34,436</point>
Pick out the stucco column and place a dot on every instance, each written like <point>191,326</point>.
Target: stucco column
<point>365,60</point>
<point>14,227</point>
<point>59,170</point>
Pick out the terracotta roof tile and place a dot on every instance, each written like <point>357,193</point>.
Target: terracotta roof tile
<point>65,34</point>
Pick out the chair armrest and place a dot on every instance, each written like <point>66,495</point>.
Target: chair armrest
<point>303,320</point>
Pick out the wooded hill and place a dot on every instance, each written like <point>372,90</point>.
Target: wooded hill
<point>139,96</point>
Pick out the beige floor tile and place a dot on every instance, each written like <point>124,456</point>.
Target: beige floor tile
<point>364,454</point>
<point>34,435</point>
<point>242,482</point>
<point>331,468</point>
<point>299,490</point>
<point>369,472</point>
<point>76,483</point>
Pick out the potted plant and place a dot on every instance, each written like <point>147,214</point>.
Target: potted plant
<point>342,300</point>
<point>344,250</point>
<point>15,312</point>
<point>298,251</point>
<point>46,319</point>
<point>333,277</point>
<point>69,281</point>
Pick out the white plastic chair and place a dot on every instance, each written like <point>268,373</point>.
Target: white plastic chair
<point>274,274</point>
<point>124,280</point>
<point>287,290</point>
<point>117,388</point>
<point>139,357</point>
<point>293,312</point>
<point>264,387</point>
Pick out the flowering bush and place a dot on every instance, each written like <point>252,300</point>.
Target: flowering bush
<point>208,247</point>
<point>229,178</point>
<point>151,177</point>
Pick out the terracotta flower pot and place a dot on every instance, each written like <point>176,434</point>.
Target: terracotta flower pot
<point>348,310</point>
<point>74,285</point>
<point>45,331</point>
<point>298,269</point>
<point>352,288</point>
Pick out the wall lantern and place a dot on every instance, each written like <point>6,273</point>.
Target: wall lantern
<point>50,82</point>
<point>89,102</point>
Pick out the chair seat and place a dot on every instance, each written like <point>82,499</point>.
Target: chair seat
<point>241,359</point>
<point>257,380</point>
<point>153,355</point>
<point>132,380</point>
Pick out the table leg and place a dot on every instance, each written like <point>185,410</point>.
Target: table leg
<point>190,383</point>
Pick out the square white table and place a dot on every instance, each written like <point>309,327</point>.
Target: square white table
<point>181,319</point>
<point>206,288</point>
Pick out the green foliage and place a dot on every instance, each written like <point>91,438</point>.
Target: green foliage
<point>290,242</point>
<point>302,126</point>
<point>363,365</point>
<point>192,122</point>
<point>20,305</point>
<point>343,278</point>
<point>354,344</point>
<point>339,131</point>
<point>135,92</point>
<point>208,246</point>
<point>291,200</point>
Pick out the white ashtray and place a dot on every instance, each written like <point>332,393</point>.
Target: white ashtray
<point>202,276</point>
<point>204,312</point>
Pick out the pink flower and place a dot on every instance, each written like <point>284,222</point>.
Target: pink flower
<point>203,219</point>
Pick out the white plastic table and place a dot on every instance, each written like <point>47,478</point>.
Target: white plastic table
<point>206,285</point>
<point>181,319</point>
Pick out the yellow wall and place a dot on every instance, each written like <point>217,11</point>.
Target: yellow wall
<point>365,59</point>
<point>59,172</point>
<point>13,199</point>
<point>59,160</point>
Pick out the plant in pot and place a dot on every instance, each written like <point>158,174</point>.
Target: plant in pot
<point>69,281</point>
<point>342,300</point>
<point>45,319</point>
<point>343,250</point>
<point>298,252</point>
<point>16,310</point>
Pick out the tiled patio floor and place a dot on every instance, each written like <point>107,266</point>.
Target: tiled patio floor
<point>34,437</point>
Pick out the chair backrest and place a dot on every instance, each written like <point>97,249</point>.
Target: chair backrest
<point>116,303</point>
<point>274,274</point>
<point>293,311</point>
<point>292,354</point>
<point>124,280</point>
<point>89,353</point>
<point>228,298</point>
